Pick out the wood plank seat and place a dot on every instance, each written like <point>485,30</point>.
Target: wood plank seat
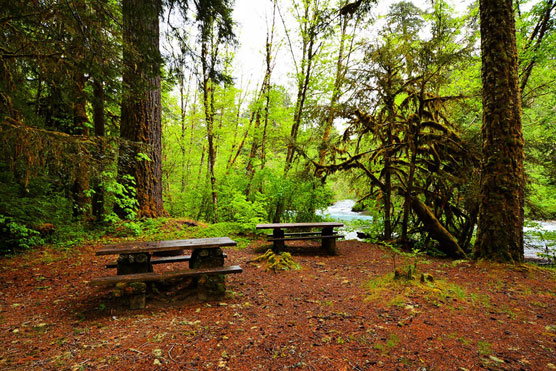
<point>162,260</point>
<point>300,225</point>
<point>313,233</point>
<point>314,237</point>
<point>162,276</point>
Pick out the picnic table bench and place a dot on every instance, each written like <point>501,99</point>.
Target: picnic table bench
<point>135,265</point>
<point>325,233</point>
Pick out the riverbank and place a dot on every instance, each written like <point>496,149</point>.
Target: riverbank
<point>539,236</point>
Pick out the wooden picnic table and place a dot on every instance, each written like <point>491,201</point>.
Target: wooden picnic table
<point>136,258</point>
<point>326,234</point>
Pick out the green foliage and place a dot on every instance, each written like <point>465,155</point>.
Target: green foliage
<point>123,197</point>
<point>301,196</point>
<point>408,271</point>
<point>432,135</point>
<point>484,348</point>
<point>15,236</point>
<point>237,208</point>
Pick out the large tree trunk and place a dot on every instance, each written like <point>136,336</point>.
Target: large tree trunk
<point>500,227</point>
<point>141,128</point>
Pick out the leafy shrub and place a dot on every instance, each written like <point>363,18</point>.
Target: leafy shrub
<point>15,236</point>
<point>300,196</point>
<point>123,196</point>
<point>235,207</point>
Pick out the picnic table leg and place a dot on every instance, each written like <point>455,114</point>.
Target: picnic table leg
<point>133,293</point>
<point>278,246</point>
<point>134,263</point>
<point>328,244</point>
<point>208,287</point>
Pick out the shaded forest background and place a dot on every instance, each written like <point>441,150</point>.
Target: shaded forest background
<point>386,111</point>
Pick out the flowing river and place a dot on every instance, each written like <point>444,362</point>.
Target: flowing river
<point>537,238</point>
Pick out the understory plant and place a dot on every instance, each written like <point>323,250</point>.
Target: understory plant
<point>15,236</point>
<point>277,261</point>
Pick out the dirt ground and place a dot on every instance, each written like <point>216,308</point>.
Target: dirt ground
<point>343,312</point>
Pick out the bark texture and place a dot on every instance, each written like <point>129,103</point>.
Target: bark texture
<point>141,128</point>
<point>500,227</point>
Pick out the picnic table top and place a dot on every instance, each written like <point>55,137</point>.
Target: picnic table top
<point>169,245</point>
<point>299,225</point>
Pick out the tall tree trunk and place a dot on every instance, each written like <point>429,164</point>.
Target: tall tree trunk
<point>184,101</point>
<point>500,227</point>
<point>389,98</point>
<point>208,101</point>
<point>266,92</point>
<point>232,161</point>
<point>82,202</point>
<point>414,130</point>
<point>236,130</point>
<point>338,81</point>
<point>192,131</point>
<point>141,127</point>
<point>535,42</point>
<point>308,29</point>
<point>387,194</point>
<point>99,121</point>
<point>259,136</point>
<point>250,168</point>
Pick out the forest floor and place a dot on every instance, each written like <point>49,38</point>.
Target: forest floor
<point>341,312</point>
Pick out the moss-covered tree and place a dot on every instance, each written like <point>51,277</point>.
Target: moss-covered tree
<point>500,227</point>
<point>140,162</point>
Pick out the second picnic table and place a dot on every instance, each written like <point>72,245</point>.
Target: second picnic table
<point>325,233</point>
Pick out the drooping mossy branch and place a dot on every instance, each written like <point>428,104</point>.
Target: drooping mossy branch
<point>29,149</point>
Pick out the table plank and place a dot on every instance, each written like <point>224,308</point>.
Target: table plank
<point>299,225</point>
<point>319,237</point>
<point>169,245</point>
<point>160,276</point>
